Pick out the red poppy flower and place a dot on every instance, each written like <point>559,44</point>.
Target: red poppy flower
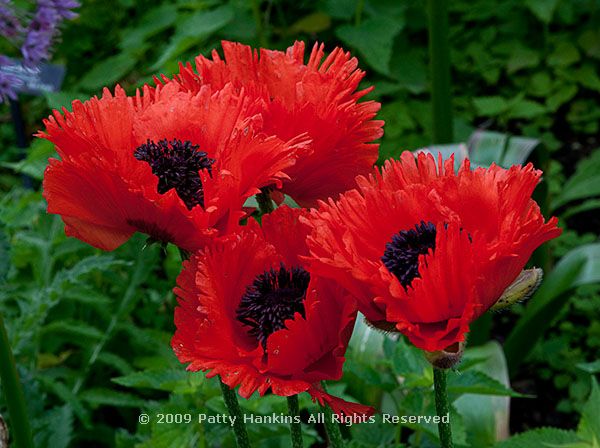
<point>175,165</point>
<point>427,250</point>
<point>251,313</point>
<point>319,97</point>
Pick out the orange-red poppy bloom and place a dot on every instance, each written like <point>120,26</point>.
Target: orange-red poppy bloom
<point>173,164</point>
<point>425,250</point>
<point>250,312</point>
<point>319,97</point>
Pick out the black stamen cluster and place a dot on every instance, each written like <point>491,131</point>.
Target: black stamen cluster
<point>177,165</point>
<point>401,255</point>
<point>274,296</point>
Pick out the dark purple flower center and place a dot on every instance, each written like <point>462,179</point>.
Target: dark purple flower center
<point>401,255</point>
<point>273,297</point>
<point>177,165</point>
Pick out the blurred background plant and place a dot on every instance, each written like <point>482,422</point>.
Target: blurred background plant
<point>91,330</point>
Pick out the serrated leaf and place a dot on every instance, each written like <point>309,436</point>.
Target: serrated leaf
<point>170,380</point>
<point>524,108</point>
<point>589,425</point>
<point>73,329</point>
<point>109,397</point>
<point>409,363</point>
<point>116,362</point>
<point>373,39</point>
<point>66,395</point>
<point>490,106</point>
<point>82,268</point>
<point>57,428</point>
<point>476,382</point>
<point>543,438</point>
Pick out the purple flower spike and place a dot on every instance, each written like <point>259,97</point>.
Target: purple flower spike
<point>9,85</point>
<point>10,27</point>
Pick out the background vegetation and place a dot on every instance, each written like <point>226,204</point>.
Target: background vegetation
<point>91,330</point>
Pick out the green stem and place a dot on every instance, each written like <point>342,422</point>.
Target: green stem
<point>13,392</point>
<point>265,204</point>
<point>258,20</point>
<point>295,425</point>
<point>439,61</point>
<point>332,428</point>
<point>239,427</point>
<point>442,407</point>
<point>358,12</point>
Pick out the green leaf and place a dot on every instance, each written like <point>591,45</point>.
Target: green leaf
<point>564,55</point>
<point>170,380</point>
<point>83,268</point>
<point>578,267</point>
<point>373,39</point>
<point>73,329</point>
<point>204,23</point>
<point>561,96</point>
<point>66,395</point>
<point>56,428</point>
<point>486,417</point>
<point>409,363</point>
<point>192,30</point>
<point>590,42</point>
<point>542,9</point>
<point>109,397</point>
<point>476,382</point>
<point>587,76</point>
<point>543,438</point>
<point>153,22</point>
<point>108,72</point>
<point>36,161</point>
<point>590,367</point>
<point>312,23</point>
<point>490,105</point>
<point>590,204</point>
<point>589,425</point>
<point>584,183</point>
<point>522,57</point>
<point>524,108</point>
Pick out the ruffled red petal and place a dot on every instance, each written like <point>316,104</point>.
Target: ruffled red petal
<point>303,98</point>
<point>104,194</point>
<point>487,228</point>
<point>209,336</point>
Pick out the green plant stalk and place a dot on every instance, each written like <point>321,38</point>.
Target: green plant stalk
<point>439,62</point>
<point>265,204</point>
<point>258,20</point>
<point>239,427</point>
<point>442,407</point>
<point>332,429</point>
<point>124,305</point>
<point>295,425</point>
<point>360,5</point>
<point>13,392</point>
